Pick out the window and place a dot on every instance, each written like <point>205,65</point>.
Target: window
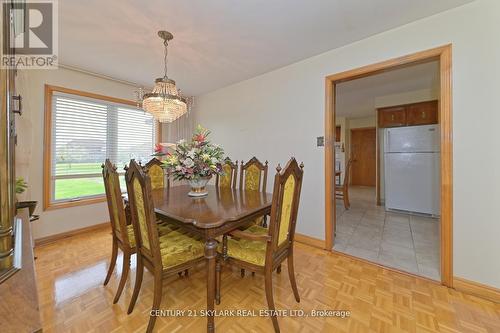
<point>82,130</point>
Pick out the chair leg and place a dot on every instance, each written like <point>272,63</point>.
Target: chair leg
<point>114,255</point>
<point>137,286</point>
<point>186,272</point>
<point>270,299</point>
<point>278,270</point>
<point>242,272</point>
<point>123,279</point>
<point>264,221</point>
<point>346,199</point>
<point>218,272</point>
<point>291,275</point>
<point>156,300</point>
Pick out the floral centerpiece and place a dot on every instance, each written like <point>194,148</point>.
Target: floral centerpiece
<point>195,161</point>
<point>160,151</point>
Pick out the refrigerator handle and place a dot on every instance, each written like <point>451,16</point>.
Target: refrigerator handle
<point>387,140</point>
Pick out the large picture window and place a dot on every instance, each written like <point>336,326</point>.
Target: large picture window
<point>84,129</point>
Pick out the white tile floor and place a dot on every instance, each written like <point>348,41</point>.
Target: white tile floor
<point>406,242</point>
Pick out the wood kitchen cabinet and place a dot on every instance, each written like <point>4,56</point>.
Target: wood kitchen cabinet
<point>423,113</point>
<point>392,117</point>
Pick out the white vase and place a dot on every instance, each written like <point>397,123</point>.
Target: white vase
<point>198,187</point>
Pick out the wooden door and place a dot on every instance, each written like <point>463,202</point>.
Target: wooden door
<point>363,153</point>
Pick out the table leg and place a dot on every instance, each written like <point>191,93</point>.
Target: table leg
<point>210,255</point>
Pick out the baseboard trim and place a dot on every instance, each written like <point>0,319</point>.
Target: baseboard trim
<point>71,233</point>
<point>476,289</point>
<point>311,241</point>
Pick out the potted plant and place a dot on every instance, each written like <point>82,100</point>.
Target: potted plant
<point>21,187</point>
<point>195,161</point>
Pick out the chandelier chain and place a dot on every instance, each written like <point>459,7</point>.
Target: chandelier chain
<point>165,57</point>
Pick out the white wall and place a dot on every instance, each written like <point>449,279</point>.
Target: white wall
<point>407,97</point>
<point>362,122</point>
<point>29,150</point>
<point>280,114</point>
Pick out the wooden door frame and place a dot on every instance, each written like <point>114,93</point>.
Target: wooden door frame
<point>350,148</point>
<point>443,55</point>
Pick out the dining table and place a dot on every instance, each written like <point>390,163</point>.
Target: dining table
<point>211,216</point>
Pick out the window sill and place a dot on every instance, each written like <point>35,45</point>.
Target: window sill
<point>68,204</point>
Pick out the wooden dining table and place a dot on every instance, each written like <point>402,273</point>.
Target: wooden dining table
<point>221,211</point>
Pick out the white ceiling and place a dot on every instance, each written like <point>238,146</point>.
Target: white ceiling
<point>357,98</point>
<point>219,42</point>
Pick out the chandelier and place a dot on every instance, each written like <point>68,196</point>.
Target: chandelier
<point>164,102</point>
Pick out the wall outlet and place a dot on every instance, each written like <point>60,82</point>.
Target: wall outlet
<point>320,141</point>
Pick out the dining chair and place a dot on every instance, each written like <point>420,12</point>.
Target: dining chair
<point>160,178</point>
<point>264,249</point>
<point>253,175</point>
<point>228,180</point>
<point>342,191</point>
<point>161,255</point>
<point>157,174</point>
<point>123,234</point>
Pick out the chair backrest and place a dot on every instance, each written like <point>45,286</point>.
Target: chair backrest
<point>157,174</point>
<point>253,174</point>
<point>286,197</point>
<point>142,213</point>
<point>228,180</point>
<point>115,202</point>
<point>347,173</point>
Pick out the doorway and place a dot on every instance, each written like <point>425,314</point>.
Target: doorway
<point>364,155</point>
<point>443,56</point>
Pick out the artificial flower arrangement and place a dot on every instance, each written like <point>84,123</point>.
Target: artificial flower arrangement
<point>196,160</point>
<point>160,151</point>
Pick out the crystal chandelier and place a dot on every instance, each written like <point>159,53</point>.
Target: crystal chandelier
<point>164,102</point>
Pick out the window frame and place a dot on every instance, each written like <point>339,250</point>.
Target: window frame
<point>47,150</point>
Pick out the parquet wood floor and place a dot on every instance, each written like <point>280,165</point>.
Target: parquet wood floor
<point>70,274</point>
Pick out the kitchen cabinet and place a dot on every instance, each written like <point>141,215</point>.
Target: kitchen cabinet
<point>423,113</point>
<point>392,117</point>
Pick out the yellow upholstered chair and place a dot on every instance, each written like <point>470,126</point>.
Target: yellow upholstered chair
<point>160,179</point>
<point>157,174</point>
<point>228,180</point>
<point>123,234</point>
<point>161,255</point>
<point>261,249</point>
<point>253,175</point>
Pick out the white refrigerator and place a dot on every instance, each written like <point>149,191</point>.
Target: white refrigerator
<point>412,169</point>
